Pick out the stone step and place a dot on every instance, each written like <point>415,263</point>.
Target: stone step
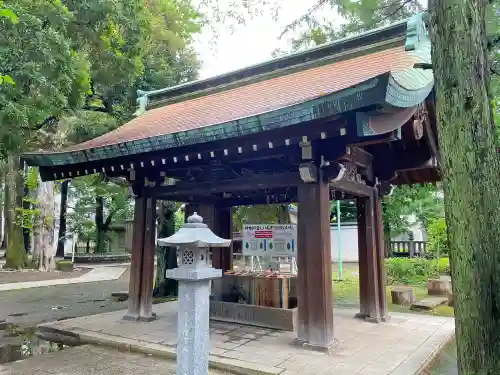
<point>429,303</point>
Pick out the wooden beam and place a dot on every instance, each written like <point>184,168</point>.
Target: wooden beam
<point>183,198</point>
<point>357,156</point>
<point>352,187</point>
<point>230,185</point>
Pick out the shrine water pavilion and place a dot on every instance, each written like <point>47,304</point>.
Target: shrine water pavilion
<point>345,120</point>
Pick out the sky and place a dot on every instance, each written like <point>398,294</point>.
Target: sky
<point>250,43</point>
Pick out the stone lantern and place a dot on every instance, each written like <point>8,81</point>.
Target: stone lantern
<point>193,242</point>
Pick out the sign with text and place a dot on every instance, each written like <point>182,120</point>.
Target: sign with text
<point>279,240</point>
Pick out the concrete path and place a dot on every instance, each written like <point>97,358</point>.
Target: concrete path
<point>86,360</point>
<point>96,274</point>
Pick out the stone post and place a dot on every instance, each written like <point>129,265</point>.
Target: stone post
<point>194,275</point>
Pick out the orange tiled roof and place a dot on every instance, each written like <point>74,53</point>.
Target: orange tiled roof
<point>256,98</point>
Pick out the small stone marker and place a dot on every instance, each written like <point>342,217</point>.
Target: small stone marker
<point>439,287</point>
<point>429,303</point>
<point>403,296</point>
<point>193,338</point>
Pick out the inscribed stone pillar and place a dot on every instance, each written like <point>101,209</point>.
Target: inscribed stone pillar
<point>362,260</point>
<point>379,231</point>
<point>315,237</point>
<point>194,275</point>
<point>134,292</point>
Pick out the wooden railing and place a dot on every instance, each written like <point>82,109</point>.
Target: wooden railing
<point>408,249</point>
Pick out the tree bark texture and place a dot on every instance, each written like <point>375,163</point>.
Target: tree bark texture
<point>44,250</point>
<point>470,174</point>
<point>100,245</point>
<point>62,218</point>
<point>26,206</point>
<point>166,257</point>
<point>14,190</point>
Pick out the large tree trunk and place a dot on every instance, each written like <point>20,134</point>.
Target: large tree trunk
<point>100,245</point>
<point>14,190</point>
<point>44,250</point>
<point>166,257</point>
<point>62,218</point>
<point>470,174</point>
<point>26,206</point>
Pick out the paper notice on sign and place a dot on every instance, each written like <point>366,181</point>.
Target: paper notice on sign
<point>279,240</point>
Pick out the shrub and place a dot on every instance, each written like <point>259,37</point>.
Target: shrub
<point>64,265</point>
<point>438,237</point>
<point>444,266</point>
<point>410,271</point>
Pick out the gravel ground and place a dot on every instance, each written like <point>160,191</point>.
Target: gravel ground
<point>28,307</point>
<point>33,275</point>
<point>87,359</point>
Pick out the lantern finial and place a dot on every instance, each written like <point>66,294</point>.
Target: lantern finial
<point>195,219</point>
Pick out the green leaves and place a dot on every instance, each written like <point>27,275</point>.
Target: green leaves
<point>7,79</point>
<point>9,14</point>
<point>422,201</point>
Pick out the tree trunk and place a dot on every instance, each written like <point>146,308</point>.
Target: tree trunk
<point>44,250</point>
<point>166,257</point>
<point>470,167</point>
<point>14,190</point>
<point>62,219</point>
<point>283,214</point>
<point>100,245</point>
<point>5,210</point>
<point>26,206</point>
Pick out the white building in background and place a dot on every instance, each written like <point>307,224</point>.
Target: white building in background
<point>349,237</point>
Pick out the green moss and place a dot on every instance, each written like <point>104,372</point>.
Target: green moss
<point>64,265</point>
<point>158,300</point>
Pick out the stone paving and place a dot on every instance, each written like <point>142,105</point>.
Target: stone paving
<point>85,360</point>
<point>402,346</point>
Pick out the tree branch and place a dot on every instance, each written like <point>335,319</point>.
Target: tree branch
<point>107,223</point>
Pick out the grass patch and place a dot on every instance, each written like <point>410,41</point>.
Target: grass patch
<point>346,292</point>
<point>157,300</point>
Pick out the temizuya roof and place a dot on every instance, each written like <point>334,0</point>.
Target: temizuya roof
<point>300,87</point>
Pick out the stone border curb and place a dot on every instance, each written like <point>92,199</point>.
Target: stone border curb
<point>407,368</point>
<point>78,336</point>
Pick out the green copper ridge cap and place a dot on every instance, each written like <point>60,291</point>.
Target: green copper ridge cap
<point>415,31</point>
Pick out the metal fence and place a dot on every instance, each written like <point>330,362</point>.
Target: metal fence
<point>408,249</point>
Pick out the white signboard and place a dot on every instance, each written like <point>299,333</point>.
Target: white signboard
<point>279,240</point>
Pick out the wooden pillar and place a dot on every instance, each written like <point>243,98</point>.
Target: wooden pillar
<point>148,267</point>
<point>303,214</point>
<point>379,231</point>
<point>362,260</point>
<point>373,299</point>
<point>142,265</point>
<point>315,233</point>
<point>222,257</point>
<point>134,289</point>
<point>219,220</point>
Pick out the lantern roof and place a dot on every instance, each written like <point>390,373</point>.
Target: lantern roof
<point>194,234</point>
